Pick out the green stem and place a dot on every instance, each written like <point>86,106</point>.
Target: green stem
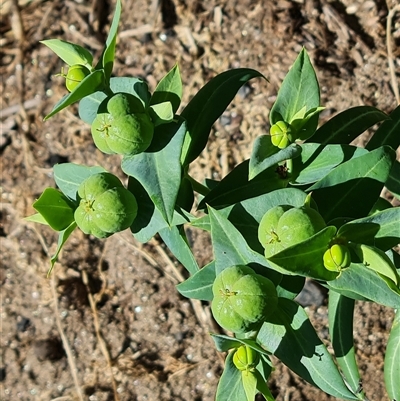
<point>199,188</point>
<point>289,166</point>
<point>107,90</point>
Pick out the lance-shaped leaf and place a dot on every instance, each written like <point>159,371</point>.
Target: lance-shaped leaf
<point>106,61</point>
<point>231,249</point>
<point>316,160</point>
<point>69,176</point>
<point>290,336</point>
<point>92,83</point>
<point>176,241</point>
<point>338,194</point>
<point>387,133</point>
<point>158,169</point>
<point>230,386</point>
<point>361,283</point>
<point>169,90</point>
<point>249,380</point>
<point>56,209</point>
<point>306,258</point>
<point>199,285</point>
<point>224,343</point>
<point>393,181</point>
<point>149,220</point>
<point>236,187</point>
<point>299,92</point>
<point>392,360</point>
<point>341,313</point>
<point>70,53</point>
<point>382,229</point>
<point>62,239</point>
<point>265,155</point>
<point>348,125</point>
<point>208,105</point>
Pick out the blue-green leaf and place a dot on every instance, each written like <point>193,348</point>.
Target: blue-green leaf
<point>341,314</point>
<point>392,360</point>
<point>176,241</point>
<point>62,239</point>
<point>199,285</point>
<point>158,169</point>
<point>299,92</point>
<point>387,133</point>
<point>56,209</point>
<point>317,160</point>
<point>207,105</point>
<point>107,58</point>
<point>169,89</point>
<point>393,181</point>
<point>290,336</point>
<point>230,386</point>
<point>361,283</point>
<point>70,53</point>
<point>381,229</point>
<point>265,155</point>
<point>231,249</point>
<point>348,125</point>
<point>338,194</point>
<point>236,187</point>
<point>69,176</point>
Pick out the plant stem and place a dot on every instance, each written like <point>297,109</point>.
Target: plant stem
<point>289,166</point>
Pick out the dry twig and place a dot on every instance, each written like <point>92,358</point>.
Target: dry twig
<point>395,85</point>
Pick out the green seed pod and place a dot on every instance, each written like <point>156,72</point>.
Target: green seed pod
<point>337,257</point>
<point>267,230</point>
<point>242,299</point>
<point>128,134</point>
<point>246,358</point>
<point>105,207</point>
<point>76,73</point>
<point>284,226</point>
<point>280,135</point>
<point>299,224</point>
<point>122,104</point>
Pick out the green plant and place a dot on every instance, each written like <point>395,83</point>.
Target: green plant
<point>305,192</point>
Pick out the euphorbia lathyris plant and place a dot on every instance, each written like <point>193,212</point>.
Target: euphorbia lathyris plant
<point>306,205</point>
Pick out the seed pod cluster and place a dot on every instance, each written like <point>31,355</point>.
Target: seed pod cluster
<point>246,358</point>
<point>124,127</point>
<point>242,299</point>
<point>284,226</point>
<point>337,257</point>
<point>280,134</point>
<point>105,206</point>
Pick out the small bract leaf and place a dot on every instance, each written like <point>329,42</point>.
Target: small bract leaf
<point>56,209</point>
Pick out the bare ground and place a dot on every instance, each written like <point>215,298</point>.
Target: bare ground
<point>109,324</point>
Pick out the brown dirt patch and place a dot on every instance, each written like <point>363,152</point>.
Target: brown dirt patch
<point>159,348</point>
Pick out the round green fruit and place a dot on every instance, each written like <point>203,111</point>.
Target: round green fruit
<point>122,104</point>
<point>337,257</point>
<point>76,73</point>
<point>242,299</point>
<point>267,230</point>
<point>285,226</point>
<point>128,134</point>
<point>246,358</point>
<point>280,134</point>
<point>105,206</point>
